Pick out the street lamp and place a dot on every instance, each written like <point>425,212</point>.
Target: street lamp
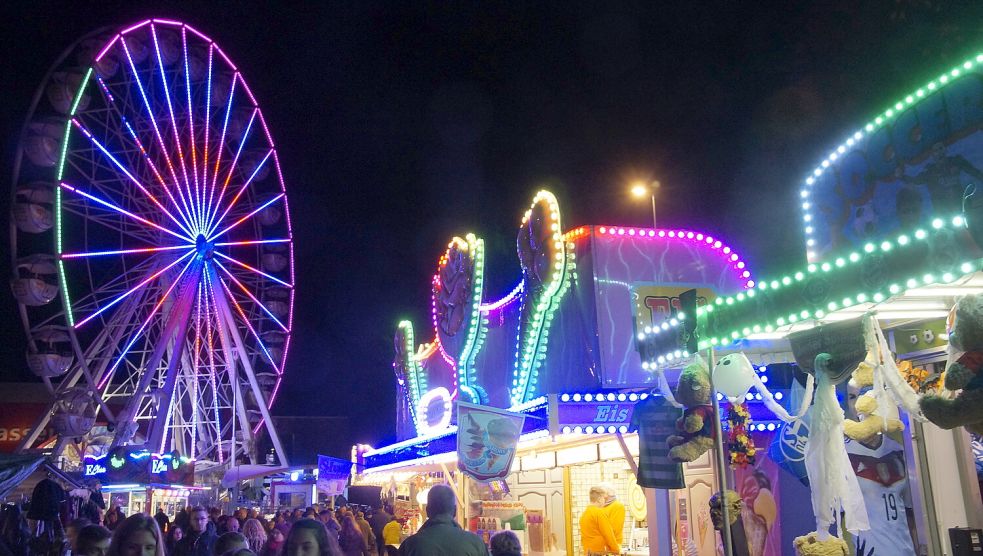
<point>640,190</point>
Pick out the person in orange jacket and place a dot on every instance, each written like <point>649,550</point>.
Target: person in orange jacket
<point>596,535</point>
<point>615,512</point>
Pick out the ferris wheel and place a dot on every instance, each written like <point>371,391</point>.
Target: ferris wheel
<point>152,247</point>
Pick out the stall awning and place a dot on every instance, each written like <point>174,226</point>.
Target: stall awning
<point>14,468</point>
<point>247,472</point>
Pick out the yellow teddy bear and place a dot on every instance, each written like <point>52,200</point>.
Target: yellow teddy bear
<point>870,424</point>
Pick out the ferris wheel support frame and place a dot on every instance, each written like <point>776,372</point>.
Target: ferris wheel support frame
<point>227,331</point>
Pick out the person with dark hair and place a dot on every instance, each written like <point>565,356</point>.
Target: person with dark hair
<point>162,520</point>
<point>200,538</point>
<point>230,541</point>
<point>327,518</point>
<point>72,531</point>
<point>441,535</point>
<point>505,543</point>
<point>174,535</point>
<point>309,538</point>
<point>92,540</point>
<point>351,539</point>
<point>378,521</point>
<point>137,535</point>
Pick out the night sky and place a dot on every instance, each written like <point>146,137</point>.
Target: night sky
<point>399,126</point>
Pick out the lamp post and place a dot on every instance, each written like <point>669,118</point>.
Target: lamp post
<point>641,190</point>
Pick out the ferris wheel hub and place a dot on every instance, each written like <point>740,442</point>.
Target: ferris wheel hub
<point>205,248</point>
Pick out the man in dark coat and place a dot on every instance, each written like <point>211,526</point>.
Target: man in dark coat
<point>378,521</point>
<point>200,538</point>
<point>441,535</point>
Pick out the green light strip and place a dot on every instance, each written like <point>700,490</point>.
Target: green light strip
<point>898,286</point>
<point>476,333</point>
<point>62,278</point>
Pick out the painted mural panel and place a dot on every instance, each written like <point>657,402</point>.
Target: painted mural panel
<point>912,164</point>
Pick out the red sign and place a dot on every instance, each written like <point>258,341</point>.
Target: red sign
<point>16,421</point>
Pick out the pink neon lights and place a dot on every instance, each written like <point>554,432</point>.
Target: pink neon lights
<point>251,296</point>
<point>126,294</point>
<point>143,326</point>
<point>732,259</point>
<point>122,251</point>
<point>256,270</point>
<point>134,27</point>
<point>120,210</point>
<point>248,216</point>
<point>106,48</point>
<point>136,182</point>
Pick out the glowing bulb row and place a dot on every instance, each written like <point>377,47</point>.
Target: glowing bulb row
<point>726,253</point>
<point>531,348</point>
<point>901,242</point>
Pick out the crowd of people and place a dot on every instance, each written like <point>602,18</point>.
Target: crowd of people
<point>344,531</point>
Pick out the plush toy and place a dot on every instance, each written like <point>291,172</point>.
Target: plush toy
<point>870,423</point>
<point>696,424</point>
<point>966,337</point>
<point>810,545</point>
<point>734,503</point>
<point>863,376</point>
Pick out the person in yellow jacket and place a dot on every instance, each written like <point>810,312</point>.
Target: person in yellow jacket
<point>615,512</point>
<point>596,535</point>
<point>391,532</point>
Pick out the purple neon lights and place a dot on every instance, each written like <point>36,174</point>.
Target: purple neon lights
<point>726,253</point>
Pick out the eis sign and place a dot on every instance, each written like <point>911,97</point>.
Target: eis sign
<point>595,414</point>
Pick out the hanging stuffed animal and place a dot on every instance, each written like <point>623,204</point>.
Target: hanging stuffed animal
<point>870,424</point>
<point>696,424</point>
<point>963,371</point>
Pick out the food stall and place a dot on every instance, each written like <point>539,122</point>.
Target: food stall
<point>574,316</point>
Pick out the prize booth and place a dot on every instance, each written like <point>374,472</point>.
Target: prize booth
<point>836,408</point>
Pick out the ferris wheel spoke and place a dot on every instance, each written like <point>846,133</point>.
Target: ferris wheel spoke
<point>121,210</point>
<point>139,332</point>
<point>253,269</point>
<point>249,326</point>
<point>126,294</point>
<point>208,116</point>
<point>195,210</point>
<point>191,116</point>
<point>238,194</point>
<point>122,252</point>
<point>251,296</point>
<point>209,222</point>
<point>128,174</point>
<point>211,332</point>
<point>146,155</point>
<point>221,142</point>
<point>251,242</point>
<point>246,217</point>
<point>153,121</point>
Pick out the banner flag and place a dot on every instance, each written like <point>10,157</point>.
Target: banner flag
<point>486,440</point>
<point>332,475</point>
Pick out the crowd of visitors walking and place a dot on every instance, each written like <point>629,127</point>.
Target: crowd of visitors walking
<point>314,531</point>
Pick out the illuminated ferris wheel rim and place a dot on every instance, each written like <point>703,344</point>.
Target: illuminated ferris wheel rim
<point>184,213</point>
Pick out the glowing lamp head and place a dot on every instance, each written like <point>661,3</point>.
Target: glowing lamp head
<point>639,190</point>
